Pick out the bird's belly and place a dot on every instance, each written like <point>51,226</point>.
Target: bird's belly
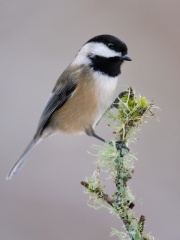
<point>78,113</point>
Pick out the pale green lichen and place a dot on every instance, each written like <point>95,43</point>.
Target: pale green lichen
<point>133,109</point>
<point>118,164</point>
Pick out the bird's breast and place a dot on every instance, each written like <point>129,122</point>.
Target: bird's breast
<point>105,88</point>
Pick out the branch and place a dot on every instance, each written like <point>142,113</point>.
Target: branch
<point>117,161</point>
<point>99,193</point>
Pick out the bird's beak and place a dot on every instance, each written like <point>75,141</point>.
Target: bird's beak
<point>126,58</point>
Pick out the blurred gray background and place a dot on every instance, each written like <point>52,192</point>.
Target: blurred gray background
<point>38,39</point>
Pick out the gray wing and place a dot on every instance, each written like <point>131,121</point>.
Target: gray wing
<point>56,101</point>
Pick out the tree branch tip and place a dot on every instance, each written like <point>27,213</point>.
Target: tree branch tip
<point>142,218</point>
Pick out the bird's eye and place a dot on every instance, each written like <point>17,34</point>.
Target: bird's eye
<point>111,46</point>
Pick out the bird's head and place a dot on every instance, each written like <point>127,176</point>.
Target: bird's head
<point>104,53</point>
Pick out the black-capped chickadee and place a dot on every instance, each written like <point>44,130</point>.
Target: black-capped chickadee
<point>82,93</point>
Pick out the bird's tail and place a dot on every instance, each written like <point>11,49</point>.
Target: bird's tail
<point>20,163</point>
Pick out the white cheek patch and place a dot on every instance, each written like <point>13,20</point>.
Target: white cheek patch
<point>93,48</point>
<point>101,49</point>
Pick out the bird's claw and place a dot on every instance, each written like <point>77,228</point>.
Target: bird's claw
<point>115,104</point>
<point>121,145</point>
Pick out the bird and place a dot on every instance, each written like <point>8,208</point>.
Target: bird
<point>82,93</point>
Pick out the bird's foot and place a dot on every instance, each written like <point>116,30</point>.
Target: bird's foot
<point>121,145</point>
<point>115,104</point>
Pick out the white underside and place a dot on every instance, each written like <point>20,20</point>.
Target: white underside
<point>106,87</point>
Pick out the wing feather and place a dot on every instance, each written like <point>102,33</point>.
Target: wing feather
<point>56,101</point>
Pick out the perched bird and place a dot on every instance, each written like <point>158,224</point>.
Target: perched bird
<point>82,93</point>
